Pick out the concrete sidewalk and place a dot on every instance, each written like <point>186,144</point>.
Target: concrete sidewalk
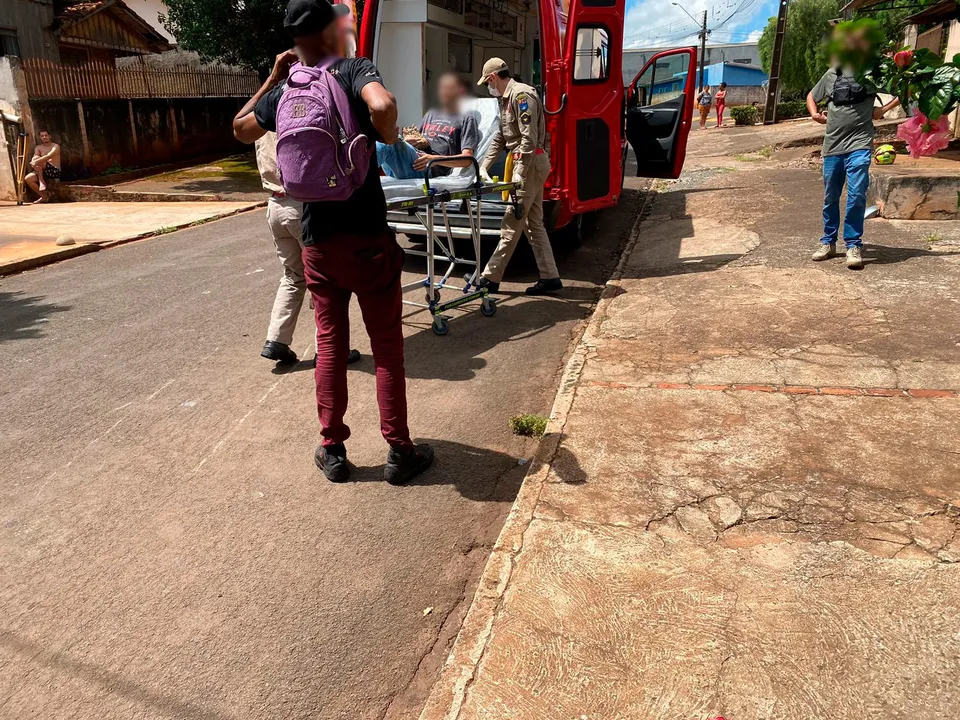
<point>28,233</point>
<point>747,501</point>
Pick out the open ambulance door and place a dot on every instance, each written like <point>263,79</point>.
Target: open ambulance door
<point>591,134</point>
<point>660,112</point>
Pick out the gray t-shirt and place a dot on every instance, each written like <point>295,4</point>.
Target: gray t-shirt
<point>849,127</point>
<point>450,134</point>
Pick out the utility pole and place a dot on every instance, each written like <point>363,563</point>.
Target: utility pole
<point>773,89</point>
<point>703,39</point>
<point>703,47</point>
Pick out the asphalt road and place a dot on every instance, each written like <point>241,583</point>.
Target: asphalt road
<point>167,548</point>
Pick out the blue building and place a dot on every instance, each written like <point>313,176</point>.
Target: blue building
<point>735,75</point>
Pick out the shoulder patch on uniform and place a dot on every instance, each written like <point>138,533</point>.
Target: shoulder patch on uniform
<point>525,118</point>
<point>522,102</point>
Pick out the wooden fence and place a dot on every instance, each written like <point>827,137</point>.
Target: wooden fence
<point>96,81</point>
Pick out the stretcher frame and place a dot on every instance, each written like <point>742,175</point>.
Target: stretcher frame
<point>424,209</point>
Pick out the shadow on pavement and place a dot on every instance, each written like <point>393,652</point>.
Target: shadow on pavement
<point>477,473</point>
<point>458,356</point>
<point>110,682</point>
<point>888,255</point>
<point>23,316</point>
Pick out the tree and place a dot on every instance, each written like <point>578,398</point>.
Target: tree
<point>805,58</point>
<point>249,33</point>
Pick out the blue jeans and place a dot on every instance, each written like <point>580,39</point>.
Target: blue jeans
<point>854,169</point>
<point>397,160</point>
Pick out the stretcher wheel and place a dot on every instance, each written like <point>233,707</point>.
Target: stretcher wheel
<point>441,325</point>
<point>488,308</point>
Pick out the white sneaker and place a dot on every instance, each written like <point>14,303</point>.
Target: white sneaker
<point>854,258</point>
<point>825,251</point>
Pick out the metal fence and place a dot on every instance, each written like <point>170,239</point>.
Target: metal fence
<point>94,81</point>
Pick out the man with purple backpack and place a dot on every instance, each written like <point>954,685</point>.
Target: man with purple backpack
<point>327,112</point>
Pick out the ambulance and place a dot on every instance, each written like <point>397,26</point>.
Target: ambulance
<point>572,52</point>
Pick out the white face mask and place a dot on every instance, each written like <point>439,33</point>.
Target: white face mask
<point>493,91</point>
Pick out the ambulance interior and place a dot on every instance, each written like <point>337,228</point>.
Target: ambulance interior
<point>417,41</point>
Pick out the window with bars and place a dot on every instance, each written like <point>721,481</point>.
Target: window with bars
<point>9,45</point>
<point>454,6</point>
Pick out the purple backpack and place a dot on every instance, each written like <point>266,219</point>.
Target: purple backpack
<point>321,153</point>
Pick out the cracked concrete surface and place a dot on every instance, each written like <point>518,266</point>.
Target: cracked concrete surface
<point>688,550</point>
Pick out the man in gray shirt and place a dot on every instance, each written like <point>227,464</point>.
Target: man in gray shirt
<point>444,133</point>
<point>847,153</point>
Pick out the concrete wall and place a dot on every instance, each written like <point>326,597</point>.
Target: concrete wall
<point>99,134</point>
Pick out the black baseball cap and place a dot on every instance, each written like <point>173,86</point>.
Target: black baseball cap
<point>308,17</point>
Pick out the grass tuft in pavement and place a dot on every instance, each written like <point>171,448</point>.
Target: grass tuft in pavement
<point>529,425</point>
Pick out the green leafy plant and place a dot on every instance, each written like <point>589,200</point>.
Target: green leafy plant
<point>791,109</point>
<point>917,74</point>
<point>744,114</point>
<point>529,425</point>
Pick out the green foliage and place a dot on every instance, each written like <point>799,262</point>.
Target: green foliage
<point>529,425</point>
<point>921,76</point>
<point>805,57</point>
<point>791,109</point>
<point>744,114</point>
<point>249,33</point>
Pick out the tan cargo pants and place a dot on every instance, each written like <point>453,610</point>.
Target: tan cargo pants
<point>533,170</point>
<point>283,219</point>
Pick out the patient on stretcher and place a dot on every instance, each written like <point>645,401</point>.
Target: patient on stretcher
<point>444,133</point>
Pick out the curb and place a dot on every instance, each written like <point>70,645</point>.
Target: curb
<point>18,266</point>
<point>449,692</point>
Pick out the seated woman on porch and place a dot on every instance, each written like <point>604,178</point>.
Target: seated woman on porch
<point>444,132</point>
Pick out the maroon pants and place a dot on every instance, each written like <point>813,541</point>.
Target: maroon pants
<point>370,266</point>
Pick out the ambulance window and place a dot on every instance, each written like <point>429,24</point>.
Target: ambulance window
<point>592,61</point>
<point>662,81</point>
<point>599,3</point>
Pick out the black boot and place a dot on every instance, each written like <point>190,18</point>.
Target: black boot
<point>542,287</point>
<point>332,461</point>
<point>405,464</point>
<point>279,353</point>
<point>482,282</point>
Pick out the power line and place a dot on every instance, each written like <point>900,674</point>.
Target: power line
<point>686,30</point>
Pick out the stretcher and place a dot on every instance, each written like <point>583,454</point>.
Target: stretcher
<point>440,246</point>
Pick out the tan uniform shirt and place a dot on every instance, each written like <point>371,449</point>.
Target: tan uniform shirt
<point>267,163</point>
<point>522,124</point>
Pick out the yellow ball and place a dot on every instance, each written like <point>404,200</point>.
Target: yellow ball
<point>885,155</point>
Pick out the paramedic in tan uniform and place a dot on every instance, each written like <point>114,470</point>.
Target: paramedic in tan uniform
<point>524,134</point>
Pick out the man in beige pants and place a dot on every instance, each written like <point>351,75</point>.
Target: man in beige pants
<point>283,219</point>
<point>523,133</point>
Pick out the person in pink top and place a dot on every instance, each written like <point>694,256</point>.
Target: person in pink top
<point>720,97</point>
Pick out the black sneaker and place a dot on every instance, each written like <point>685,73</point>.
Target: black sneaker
<point>353,357</point>
<point>278,352</point>
<point>404,465</point>
<point>332,460</point>
<point>542,287</point>
<point>482,282</point>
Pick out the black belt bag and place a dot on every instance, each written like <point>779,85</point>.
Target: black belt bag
<point>847,91</point>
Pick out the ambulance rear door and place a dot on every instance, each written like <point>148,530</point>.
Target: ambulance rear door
<point>660,112</point>
<point>593,104</point>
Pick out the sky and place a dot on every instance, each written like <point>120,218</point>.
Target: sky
<point>652,23</point>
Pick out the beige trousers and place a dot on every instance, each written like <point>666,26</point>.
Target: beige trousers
<point>283,219</point>
<point>533,170</point>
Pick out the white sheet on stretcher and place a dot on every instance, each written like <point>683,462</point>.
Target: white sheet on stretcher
<point>487,112</point>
